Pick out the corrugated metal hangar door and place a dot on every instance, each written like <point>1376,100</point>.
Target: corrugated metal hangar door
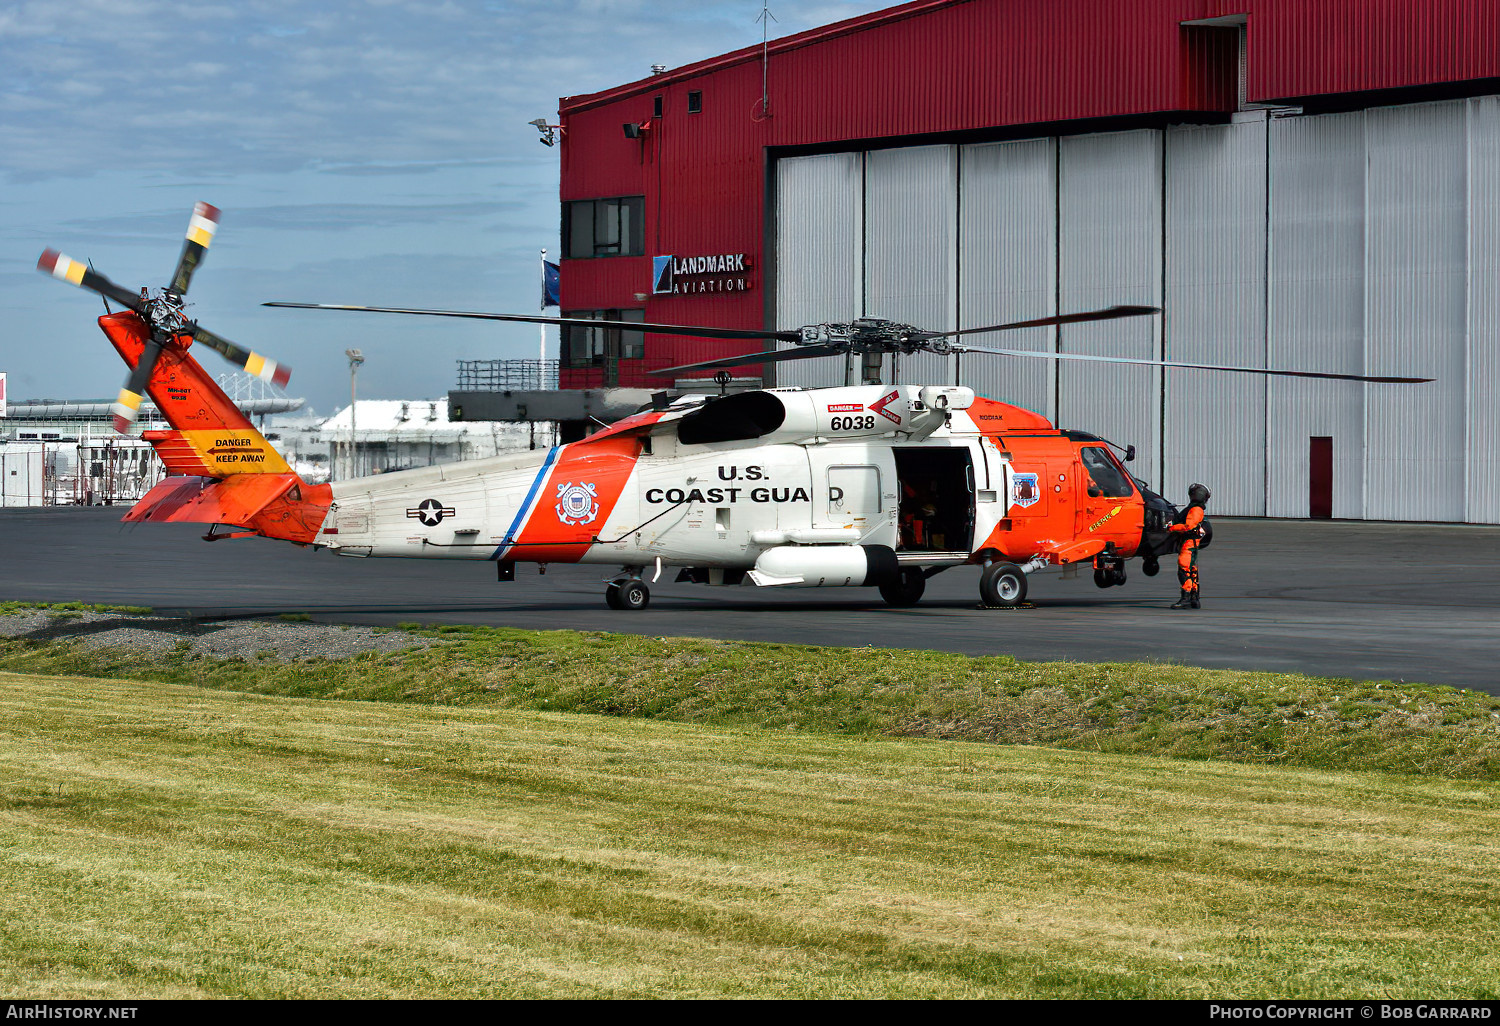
<point>1365,242</point>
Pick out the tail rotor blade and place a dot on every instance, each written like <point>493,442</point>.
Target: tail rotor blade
<point>262,367</point>
<point>127,406</point>
<point>65,268</point>
<point>200,233</point>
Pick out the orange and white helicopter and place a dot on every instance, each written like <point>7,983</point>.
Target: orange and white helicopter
<point>869,485</point>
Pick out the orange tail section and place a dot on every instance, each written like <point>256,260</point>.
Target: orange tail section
<point>210,436</point>
<point>222,470</point>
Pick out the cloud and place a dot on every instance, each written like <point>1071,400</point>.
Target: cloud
<point>269,85</point>
<point>373,151</point>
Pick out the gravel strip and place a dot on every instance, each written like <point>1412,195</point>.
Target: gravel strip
<point>278,640</point>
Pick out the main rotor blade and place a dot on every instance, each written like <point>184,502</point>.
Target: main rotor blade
<point>200,232</point>
<point>65,268</point>
<point>127,406</point>
<point>1195,366</point>
<point>776,356</point>
<point>1107,314</point>
<point>262,367</point>
<point>582,322</point>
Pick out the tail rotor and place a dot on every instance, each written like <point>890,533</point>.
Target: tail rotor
<point>164,316</point>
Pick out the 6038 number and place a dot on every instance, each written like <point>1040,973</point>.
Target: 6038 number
<point>853,423</point>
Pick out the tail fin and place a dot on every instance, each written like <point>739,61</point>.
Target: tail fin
<point>210,437</point>
<point>223,470</point>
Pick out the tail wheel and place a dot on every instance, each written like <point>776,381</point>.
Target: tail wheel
<point>631,594</point>
<point>906,590</point>
<point>1150,567</point>
<point>1002,584</point>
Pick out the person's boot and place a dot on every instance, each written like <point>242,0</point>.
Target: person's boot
<point>1185,602</point>
<point>1195,599</point>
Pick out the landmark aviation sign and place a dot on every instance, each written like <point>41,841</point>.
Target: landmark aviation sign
<point>721,272</point>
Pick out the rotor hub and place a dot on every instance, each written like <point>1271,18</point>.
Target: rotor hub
<point>873,335</point>
<point>165,313</point>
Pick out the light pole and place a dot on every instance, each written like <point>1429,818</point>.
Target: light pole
<point>355,359</point>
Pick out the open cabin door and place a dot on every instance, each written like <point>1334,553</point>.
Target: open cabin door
<point>937,498</point>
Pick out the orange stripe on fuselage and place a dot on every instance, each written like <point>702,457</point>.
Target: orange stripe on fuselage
<point>576,499</point>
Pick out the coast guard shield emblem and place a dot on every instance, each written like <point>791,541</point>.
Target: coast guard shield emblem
<point>577,503</point>
<point>1024,490</point>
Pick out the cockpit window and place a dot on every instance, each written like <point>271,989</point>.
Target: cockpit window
<point>1105,473</point>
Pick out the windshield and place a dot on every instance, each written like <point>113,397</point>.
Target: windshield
<point>1105,473</point>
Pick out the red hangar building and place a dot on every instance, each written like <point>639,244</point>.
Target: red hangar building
<point>1309,184</point>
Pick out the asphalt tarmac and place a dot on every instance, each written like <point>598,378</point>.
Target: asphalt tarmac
<point>1408,602</point>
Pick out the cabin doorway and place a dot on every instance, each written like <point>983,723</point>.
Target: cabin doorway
<point>937,499</point>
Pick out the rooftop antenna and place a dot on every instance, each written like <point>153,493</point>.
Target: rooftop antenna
<point>765,19</point>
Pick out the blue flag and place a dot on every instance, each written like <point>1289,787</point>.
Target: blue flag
<point>550,295</point>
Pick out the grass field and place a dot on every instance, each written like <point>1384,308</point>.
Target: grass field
<point>1126,708</point>
<point>165,840</point>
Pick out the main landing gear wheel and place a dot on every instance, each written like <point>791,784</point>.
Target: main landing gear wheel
<point>906,590</point>
<point>631,594</point>
<point>1110,576</point>
<point>1002,584</point>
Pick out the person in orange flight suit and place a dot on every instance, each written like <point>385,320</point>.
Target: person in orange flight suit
<point>1188,526</point>
<point>918,513</point>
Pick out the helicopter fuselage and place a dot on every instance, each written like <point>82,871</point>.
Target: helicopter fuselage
<point>870,485</point>
<point>797,488</point>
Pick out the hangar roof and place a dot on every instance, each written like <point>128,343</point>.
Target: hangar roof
<point>1076,50</point>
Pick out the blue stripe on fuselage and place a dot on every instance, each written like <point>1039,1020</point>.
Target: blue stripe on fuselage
<point>536,486</point>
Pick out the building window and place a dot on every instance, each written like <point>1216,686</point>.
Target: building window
<point>600,347</point>
<point>605,227</point>
<point>695,101</point>
<point>656,105</point>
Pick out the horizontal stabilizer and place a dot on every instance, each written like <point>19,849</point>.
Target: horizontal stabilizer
<point>198,500</point>
<point>169,496</point>
<point>273,505</point>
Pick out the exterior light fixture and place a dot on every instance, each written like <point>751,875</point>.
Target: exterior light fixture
<point>548,132</point>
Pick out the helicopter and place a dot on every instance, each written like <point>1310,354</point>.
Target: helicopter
<point>870,485</point>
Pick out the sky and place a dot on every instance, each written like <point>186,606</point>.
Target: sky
<point>362,151</point>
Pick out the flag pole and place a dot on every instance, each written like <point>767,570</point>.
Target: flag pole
<point>541,368</point>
